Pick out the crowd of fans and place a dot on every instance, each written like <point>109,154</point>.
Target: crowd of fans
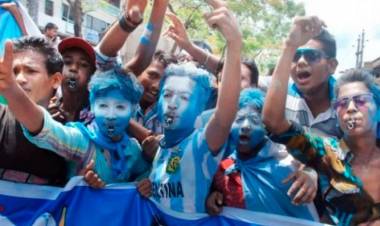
<point>197,132</point>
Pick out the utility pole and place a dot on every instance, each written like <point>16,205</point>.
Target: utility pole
<point>360,50</point>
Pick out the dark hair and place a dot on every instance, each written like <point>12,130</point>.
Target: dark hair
<point>355,75</point>
<point>254,75</point>
<point>50,25</point>
<point>328,42</point>
<point>54,61</point>
<point>251,65</point>
<point>164,58</point>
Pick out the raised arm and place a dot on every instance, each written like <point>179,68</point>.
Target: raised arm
<point>149,39</point>
<point>218,129</point>
<point>119,31</point>
<point>177,32</point>
<point>24,109</point>
<point>303,29</point>
<point>51,135</point>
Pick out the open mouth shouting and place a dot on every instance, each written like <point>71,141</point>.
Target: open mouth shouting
<point>244,138</point>
<point>110,129</point>
<point>303,77</point>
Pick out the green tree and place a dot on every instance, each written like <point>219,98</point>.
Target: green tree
<point>264,24</point>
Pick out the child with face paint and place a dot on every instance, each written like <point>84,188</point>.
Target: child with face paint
<point>187,158</point>
<point>252,177</point>
<point>114,96</point>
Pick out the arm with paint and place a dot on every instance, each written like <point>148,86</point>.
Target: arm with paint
<point>149,39</point>
<point>119,31</point>
<point>218,129</point>
<point>177,32</point>
<point>303,29</point>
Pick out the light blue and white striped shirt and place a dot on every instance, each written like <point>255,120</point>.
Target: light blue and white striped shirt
<point>72,144</point>
<point>181,175</point>
<point>297,110</point>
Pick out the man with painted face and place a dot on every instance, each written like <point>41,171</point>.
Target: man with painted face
<point>187,158</point>
<point>79,65</point>
<point>113,99</point>
<point>344,198</point>
<point>253,176</point>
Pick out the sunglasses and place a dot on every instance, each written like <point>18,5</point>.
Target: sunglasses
<point>359,100</point>
<point>310,55</point>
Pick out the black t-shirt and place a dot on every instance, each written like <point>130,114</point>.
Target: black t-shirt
<point>17,153</point>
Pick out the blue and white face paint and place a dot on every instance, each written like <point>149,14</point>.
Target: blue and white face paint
<point>112,114</point>
<point>356,109</point>
<point>248,128</point>
<point>177,103</point>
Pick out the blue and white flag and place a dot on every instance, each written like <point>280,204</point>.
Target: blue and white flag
<point>121,204</point>
<point>10,29</point>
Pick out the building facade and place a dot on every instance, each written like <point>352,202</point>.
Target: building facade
<point>98,15</point>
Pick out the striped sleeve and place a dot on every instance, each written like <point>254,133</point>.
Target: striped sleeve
<point>67,142</point>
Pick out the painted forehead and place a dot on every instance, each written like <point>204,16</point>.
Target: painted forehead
<point>179,84</point>
<point>248,110</point>
<point>113,94</point>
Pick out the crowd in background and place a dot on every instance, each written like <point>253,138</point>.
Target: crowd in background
<point>196,131</point>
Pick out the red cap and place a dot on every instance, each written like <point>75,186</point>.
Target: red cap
<point>75,42</point>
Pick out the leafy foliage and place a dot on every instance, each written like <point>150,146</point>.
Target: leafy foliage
<point>264,23</point>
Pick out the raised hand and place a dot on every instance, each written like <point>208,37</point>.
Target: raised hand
<point>134,9</point>
<point>177,31</point>
<point>222,19</point>
<point>304,29</point>
<point>6,76</point>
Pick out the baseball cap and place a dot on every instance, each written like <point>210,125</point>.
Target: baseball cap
<point>75,42</point>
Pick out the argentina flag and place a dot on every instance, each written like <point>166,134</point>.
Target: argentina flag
<point>116,205</point>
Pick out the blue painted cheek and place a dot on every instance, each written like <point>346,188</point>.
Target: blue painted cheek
<point>234,134</point>
<point>119,125</point>
<point>257,135</point>
<point>188,116</point>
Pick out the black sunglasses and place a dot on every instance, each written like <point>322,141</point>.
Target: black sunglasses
<point>310,55</point>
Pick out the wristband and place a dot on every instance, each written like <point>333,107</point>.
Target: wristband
<point>127,25</point>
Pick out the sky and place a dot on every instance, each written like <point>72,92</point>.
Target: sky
<point>346,19</point>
